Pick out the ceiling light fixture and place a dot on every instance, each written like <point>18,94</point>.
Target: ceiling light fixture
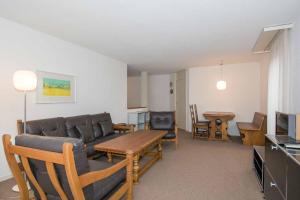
<point>221,84</point>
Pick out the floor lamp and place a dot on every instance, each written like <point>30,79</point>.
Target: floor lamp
<point>24,81</point>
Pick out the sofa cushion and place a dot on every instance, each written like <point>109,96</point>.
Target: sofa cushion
<point>102,124</point>
<point>52,133</point>
<point>80,127</point>
<point>162,120</point>
<point>51,127</point>
<point>106,128</point>
<point>97,130</point>
<point>103,187</point>
<point>55,144</point>
<point>170,135</point>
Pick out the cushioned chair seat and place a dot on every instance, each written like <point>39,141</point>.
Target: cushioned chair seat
<point>170,135</point>
<point>103,188</point>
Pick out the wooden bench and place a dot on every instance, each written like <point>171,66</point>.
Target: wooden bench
<point>253,133</point>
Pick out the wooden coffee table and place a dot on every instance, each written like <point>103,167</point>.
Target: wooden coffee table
<point>140,144</point>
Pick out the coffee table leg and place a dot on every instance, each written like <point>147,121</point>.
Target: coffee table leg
<point>136,169</point>
<point>160,150</point>
<point>109,156</point>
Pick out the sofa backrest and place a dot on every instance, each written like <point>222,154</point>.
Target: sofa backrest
<point>47,127</point>
<point>55,144</point>
<point>102,124</point>
<point>80,127</point>
<point>162,120</point>
<point>86,127</point>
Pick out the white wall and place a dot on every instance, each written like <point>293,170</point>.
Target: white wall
<point>159,92</point>
<point>242,95</point>
<point>133,91</point>
<point>101,81</point>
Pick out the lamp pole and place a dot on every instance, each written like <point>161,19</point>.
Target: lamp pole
<point>25,104</point>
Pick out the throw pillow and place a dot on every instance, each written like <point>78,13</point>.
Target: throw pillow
<point>106,127</point>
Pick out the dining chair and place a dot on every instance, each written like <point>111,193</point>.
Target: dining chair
<point>200,128</point>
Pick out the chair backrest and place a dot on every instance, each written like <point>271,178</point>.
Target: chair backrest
<point>162,120</point>
<point>192,115</point>
<point>196,113</point>
<point>53,166</point>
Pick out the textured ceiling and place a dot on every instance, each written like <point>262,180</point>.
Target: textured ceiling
<point>159,36</point>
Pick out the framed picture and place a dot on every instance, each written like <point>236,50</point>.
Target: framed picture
<point>55,88</point>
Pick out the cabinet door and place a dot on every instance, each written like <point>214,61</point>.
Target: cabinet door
<point>293,180</point>
<point>271,188</point>
<point>276,163</point>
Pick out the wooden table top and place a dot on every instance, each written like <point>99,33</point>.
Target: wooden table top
<point>133,142</point>
<point>218,114</point>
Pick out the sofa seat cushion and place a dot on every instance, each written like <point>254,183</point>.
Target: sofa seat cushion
<point>104,187</point>
<point>169,135</point>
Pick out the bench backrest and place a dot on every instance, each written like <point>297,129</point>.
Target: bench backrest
<point>260,120</point>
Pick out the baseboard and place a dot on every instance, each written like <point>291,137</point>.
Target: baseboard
<point>4,178</point>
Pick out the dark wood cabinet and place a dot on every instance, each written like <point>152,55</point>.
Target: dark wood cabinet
<point>293,180</point>
<point>271,189</point>
<point>276,164</point>
<point>282,170</point>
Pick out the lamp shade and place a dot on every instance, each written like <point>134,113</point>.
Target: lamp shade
<point>25,80</point>
<point>221,85</point>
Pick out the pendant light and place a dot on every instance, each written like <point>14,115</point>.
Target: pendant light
<point>221,84</point>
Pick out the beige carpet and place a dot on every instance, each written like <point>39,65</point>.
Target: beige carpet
<point>197,170</point>
<point>201,170</point>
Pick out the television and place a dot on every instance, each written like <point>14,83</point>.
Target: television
<point>286,124</point>
<point>282,123</point>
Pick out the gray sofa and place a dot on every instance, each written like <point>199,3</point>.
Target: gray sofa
<point>91,129</point>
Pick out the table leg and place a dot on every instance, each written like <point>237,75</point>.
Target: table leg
<point>224,130</point>
<point>160,150</point>
<point>136,168</point>
<point>212,130</point>
<point>109,156</point>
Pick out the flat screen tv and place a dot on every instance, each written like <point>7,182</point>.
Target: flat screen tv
<point>285,124</point>
<point>282,123</point>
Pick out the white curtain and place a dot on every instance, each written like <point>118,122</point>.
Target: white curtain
<point>279,78</point>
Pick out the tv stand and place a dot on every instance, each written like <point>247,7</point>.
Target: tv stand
<point>259,164</point>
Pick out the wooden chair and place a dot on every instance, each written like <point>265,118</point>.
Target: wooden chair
<point>68,175</point>
<point>200,129</point>
<point>253,133</point>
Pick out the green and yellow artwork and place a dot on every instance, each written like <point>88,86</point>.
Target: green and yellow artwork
<point>56,87</point>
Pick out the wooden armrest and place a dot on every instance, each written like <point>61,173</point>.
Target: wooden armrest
<point>94,176</point>
<point>123,126</point>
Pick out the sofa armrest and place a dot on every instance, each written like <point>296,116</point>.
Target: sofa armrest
<point>124,127</point>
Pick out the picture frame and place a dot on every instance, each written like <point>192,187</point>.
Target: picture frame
<point>55,88</point>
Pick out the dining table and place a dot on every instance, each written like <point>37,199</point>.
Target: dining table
<point>214,116</point>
